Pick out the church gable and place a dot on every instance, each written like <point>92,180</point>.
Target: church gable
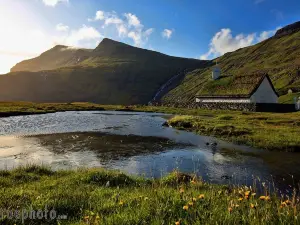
<point>265,92</point>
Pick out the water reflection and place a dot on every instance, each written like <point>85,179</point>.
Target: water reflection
<point>138,144</point>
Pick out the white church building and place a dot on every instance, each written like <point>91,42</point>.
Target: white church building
<point>237,89</point>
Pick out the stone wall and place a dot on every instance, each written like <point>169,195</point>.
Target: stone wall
<point>249,107</point>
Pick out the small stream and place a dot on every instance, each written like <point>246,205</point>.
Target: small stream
<point>138,144</point>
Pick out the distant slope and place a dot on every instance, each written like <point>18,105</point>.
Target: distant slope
<point>59,56</point>
<point>278,56</point>
<point>113,73</point>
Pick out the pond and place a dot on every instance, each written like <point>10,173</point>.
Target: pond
<point>138,144</point>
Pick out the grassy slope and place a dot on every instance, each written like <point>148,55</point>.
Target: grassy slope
<point>279,57</point>
<point>58,56</point>
<point>113,73</point>
<point>83,196</point>
<point>273,131</point>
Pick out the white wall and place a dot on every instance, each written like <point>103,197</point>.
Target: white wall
<point>265,93</point>
<point>216,73</point>
<point>297,104</point>
<point>229,100</point>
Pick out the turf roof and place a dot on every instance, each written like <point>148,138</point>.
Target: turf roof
<point>233,86</point>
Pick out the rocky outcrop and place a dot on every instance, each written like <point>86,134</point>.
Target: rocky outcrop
<point>292,28</point>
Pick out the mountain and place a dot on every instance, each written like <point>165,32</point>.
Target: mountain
<point>117,73</point>
<point>112,73</point>
<point>59,56</point>
<point>279,56</point>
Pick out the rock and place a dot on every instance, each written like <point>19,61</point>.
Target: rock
<point>165,124</point>
<point>214,144</point>
<point>225,177</point>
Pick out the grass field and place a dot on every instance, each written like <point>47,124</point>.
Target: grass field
<point>262,130</point>
<point>96,196</point>
<point>272,131</point>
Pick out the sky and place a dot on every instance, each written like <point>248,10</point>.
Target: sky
<point>201,29</point>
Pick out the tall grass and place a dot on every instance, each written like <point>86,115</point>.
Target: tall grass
<point>97,196</point>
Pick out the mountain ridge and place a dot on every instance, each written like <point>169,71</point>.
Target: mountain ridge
<point>117,73</point>
<point>112,73</point>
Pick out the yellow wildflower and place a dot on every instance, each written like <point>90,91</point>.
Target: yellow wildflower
<point>268,198</point>
<point>288,202</point>
<point>252,206</point>
<point>146,198</point>
<point>121,203</point>
<point>201,196</point>
<point>283,204</point>
<point>177,223</point>
<point>193,182</point>
<point>194,199</point>
<point>262,197</point>
<point>191,203</point>
<point>181,190</point>
<point>247,193</point>
<point>185,207</point>
<point>240,199</point>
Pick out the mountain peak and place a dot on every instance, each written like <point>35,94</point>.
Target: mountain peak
<point>108,40</point>
<point>107,43</point>
<point>60,46</point>
<point>289,29</point>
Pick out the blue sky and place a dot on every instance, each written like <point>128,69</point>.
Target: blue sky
<point>188,28</point>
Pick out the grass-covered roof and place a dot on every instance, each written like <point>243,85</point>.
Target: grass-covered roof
<point>232,86</point>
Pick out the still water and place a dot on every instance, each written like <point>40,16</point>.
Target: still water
<point>138,144</point>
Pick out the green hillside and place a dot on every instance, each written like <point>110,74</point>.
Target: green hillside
<point>113,73</point>
<point>59,56</point>
<point>278,56</point>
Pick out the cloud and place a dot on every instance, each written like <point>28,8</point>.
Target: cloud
<point>149,31</point>
<point>135,36</point>
<point>113,20</point>
<point>62,27</point>
<point>53,3</point>
<point>133,20</point>
<point>127,25</point>
<point>266,34</point>
<point>167,33</point>
<point>223,42</point>
<point>99,15</point>
<point>83,37</point>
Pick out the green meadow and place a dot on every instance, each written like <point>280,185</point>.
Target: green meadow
<point>97,196</point>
